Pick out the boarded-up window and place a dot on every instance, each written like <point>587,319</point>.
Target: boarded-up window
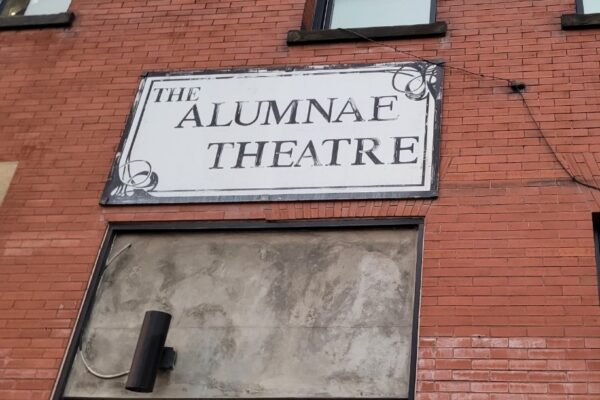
<point>259,313</point>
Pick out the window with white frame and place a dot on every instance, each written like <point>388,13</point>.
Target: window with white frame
<point>588,6</point>
<point>13,8</point>
<point>372,13</point>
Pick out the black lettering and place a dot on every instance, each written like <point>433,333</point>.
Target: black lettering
<point>335,147</point>
<point>158,96</point>
<point>360,151</point>
<point>279,152</point>
<point>292,107</point>
<point>314,103</point>
<point>220,147</point>
<point>175,91</point>
<point>215,116</point>
<point>377,105</point>
<point>195,117</point>
<point>238,113</point>
<point>242,154</point>
<point>398,149</point>
<point>310,148</point>
<point>353,111</point>
<point>192,92</point>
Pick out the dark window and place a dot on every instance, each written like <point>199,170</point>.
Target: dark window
<point>596,220</point>
<point>333,14</point>
<point>13,8</point>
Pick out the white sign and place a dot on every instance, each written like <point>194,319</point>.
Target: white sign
<point>295,134</point>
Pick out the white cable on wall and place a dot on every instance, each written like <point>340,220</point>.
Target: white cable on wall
<point>98,374</point>
<point>82,346</point>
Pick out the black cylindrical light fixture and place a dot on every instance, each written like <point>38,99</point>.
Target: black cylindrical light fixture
<point>148,351</point>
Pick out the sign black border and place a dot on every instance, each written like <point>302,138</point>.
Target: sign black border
<point>113,176</point>
<point>241,225</point>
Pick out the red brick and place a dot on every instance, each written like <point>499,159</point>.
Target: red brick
<point>489,387</point>
<point>510,297</point>
<point>570,388</point>
<point>528,388</point>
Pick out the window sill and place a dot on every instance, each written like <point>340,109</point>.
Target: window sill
<point>435,29</point>
<point>37,21</point>
<point>580,21</point>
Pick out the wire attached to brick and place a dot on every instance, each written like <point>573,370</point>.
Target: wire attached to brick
<point>516,86</point>
<point>442,63</point>
<point>551,147</point>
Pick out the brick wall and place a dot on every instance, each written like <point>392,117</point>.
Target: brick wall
<point>510,296</point>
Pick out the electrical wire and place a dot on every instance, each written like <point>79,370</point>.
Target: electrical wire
<point>511,83</point>
<point>98,374</point>
<point>574,177</point>
<point>82,345</point>
<point>117,254</point>
<point>441,63</point>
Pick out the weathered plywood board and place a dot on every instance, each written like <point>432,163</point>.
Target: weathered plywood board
<point>260,314</point>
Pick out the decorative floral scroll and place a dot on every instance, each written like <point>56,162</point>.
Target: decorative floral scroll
<point>417,80</point>
<point>136,178</point>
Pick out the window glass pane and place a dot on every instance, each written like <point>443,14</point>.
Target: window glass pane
<point>10,8</point>
<point>43,7</point>
<point>361,13</point>
<point>591,6</point>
